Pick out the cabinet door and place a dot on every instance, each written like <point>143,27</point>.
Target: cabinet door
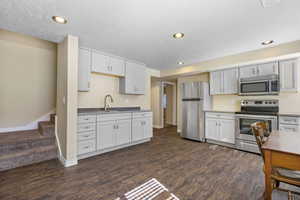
<point>123,132</point>
<point>230,81</point>
<point>267,69</point>
<point>212,129</point>
<point>137,129</point>
<point>106,136</point>
<point>248,71</point>
<point>135,79</point>
<point>117,66</point>
<point>227,130</point>
<point>100,63</point>
<point>148,130</point>
<point>216,79</point>
<point>288,75</point>
<point>84,70</point>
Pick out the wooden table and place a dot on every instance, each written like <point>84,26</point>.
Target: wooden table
<point>282,149</point>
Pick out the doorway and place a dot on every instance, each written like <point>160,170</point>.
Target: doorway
<point>169,104</point>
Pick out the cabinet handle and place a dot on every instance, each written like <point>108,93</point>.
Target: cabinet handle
<point>86,147</point>
<point>257,70</point>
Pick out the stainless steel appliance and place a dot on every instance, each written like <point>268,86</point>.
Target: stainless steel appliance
<point>253,111</point>
<point>259,85</point>
<point>195,100</point>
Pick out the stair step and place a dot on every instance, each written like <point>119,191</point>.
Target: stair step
<point>27,157</point>
<point>22,140</point>
<point>52,118</point>
<point>47,128</point>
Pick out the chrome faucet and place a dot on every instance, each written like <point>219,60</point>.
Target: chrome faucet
<point>106,104</point>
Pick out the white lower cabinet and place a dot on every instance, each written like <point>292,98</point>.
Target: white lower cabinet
<point>107,132</point>
<point>141,128</point>
<point>106,137</point>
<point>123,132</point>
<point>289,123</point>
<point>220,127</point>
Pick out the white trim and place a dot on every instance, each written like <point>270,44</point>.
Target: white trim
<point>98,152</point>
<point>157,126</point>
<point>30,126</point>
<point>67,163</point>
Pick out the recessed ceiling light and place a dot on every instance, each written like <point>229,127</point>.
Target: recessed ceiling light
<point>59,19</point>
<point>178,35</point>
<point>267,42</point>
<point>180,63</point>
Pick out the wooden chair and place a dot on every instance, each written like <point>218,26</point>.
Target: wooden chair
<point>261,132</point>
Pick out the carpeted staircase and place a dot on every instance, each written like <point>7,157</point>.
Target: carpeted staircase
<point>27,147</point>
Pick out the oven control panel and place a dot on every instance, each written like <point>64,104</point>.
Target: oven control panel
<point>258,103</point>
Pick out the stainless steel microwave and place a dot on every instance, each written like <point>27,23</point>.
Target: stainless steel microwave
<point>259,85</point>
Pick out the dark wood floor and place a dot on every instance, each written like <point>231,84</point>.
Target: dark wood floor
<point>191,170</point>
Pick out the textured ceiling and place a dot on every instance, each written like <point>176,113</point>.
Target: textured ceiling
<point>142,29</point>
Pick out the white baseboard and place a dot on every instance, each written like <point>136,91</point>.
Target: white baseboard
<point>67,163</point>
<point>156,126</point>
<point>30,126</point>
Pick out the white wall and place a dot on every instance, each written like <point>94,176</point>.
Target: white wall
<point>27,80</point>
<point>102,85</point>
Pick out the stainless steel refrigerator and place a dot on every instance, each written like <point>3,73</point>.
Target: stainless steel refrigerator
<point>195,100</point>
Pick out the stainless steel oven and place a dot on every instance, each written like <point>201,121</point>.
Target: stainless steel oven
<point>260,85</point>
<point>254,111</point>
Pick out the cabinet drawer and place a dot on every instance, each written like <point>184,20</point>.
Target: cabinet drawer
<point>141,114</point>
<point>86,119</point>
<point>289,120</point>
<point>220,115</point>
<point>288,128</point>
<point>86,135</point>
<point>86,146</point>
<point>86,127</point>
<point>112,117</point>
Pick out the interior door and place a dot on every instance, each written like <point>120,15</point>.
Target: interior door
<point>123,132</point>
<point>106,135</point>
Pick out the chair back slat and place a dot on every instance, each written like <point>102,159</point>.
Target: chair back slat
<point>261,132</point>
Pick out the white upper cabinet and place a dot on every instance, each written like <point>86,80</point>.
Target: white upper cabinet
<point>100,63</point>
<point>224,81</point>
<point>230,81</point>
<point>267,69</point>
<point>216,79</point>
<point>259,70</point>
<point>84,70</point>
<point>289,75</point>
<point>107,64</point>
<point>134,81</point>
<point>117,66</point>
<point>248,71</point>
